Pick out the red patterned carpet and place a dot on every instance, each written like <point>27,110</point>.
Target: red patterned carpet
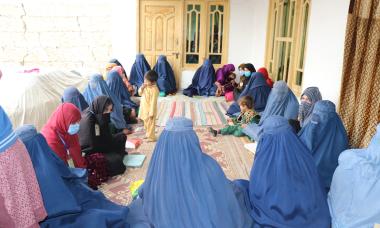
<point>228,151</point>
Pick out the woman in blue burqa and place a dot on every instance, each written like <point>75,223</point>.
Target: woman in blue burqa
<point>325,136</point>
<point>282,102</point>
<point>166,79</point>
<point>68,201</point>
<point>258,89</point>
<point>97,87</point>
<point>355,188</point>
<point>138,70</point>
<point>203,81</point>
<point>73,96</point>
<point>184,187</point>
<point>118,88</point>
<point>284,188</point>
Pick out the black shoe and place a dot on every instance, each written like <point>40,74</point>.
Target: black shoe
<point>213,131</point>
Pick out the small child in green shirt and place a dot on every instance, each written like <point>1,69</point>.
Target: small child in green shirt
<point>235,125</point>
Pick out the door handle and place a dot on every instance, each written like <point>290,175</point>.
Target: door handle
<point>176,54</point>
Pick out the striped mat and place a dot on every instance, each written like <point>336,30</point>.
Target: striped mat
<point>202,112</point>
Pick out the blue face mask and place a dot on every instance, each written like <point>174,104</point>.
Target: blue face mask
<point>247,73</point>
<point>241,72</point>
<point>73,129</point>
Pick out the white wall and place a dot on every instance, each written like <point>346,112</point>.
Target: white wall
<point>124,32</point>
<point>325,47</point>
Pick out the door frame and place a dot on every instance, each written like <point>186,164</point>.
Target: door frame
<point>179,41</point>
<point>182,67</point>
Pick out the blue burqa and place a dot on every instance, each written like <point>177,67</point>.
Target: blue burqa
<point>325,136</point>
<point>354,194</point>
<point>138,70</point>
<point>97,87</point>
<point>282,102</point>
<point>68,201</point>
<point>203,81</point>
<point>284,189</point>
<point>118,88</point>
<point>166,79</point>
<point>258,89</point>
<point>73,96</point>
<point>185,187</point>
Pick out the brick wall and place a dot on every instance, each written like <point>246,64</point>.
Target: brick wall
<point>63,34</point>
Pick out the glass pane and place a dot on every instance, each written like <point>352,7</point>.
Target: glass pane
<point>210,39</point>
<point>199,32</point>
<point>274,32</point>
<point>281,60</point>
<point>299,78</point>
<point>216,33</point>
<point>198,8</point>
<point>285,18</point>
<point>221,8</point>
<point>213,8</point>
<point>288,61</point>
<point>192,59</point>
<point>292,19</point>
<point>215,59</point>
<point>189,7</point>
<point>221,33</point>
<point>187,33</point>
<point>192,30</point>
<point>303,38</point>
<point>270,67</point>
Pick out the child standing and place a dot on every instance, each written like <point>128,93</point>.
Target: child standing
<point>148,105</point>
<point>235,125</point>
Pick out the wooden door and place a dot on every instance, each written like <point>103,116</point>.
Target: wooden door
<point>160,33</point>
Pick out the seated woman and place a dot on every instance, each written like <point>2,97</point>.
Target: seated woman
<point>73,96</point>
<point>282,102</point>
<point>97,87</point>
<point>284,189</point>
<point>138,70</point>
<point>246,70</point>
<point>107,69</point>
<point>222,78</point>
<point>325,136</point>
<point>235,125</point>
<point>21,202</point>
<point>95,135</point>
<point>264,71</point>
<point>61,133</point>
<point>184,187</point>
<point>203,81</point>
<point>117,87</point>
<point>258,89</point>
<point>309,97</point>
<point>166,79</point>
<point>68,200</point>
<point>354,194</point>
<point>124,77</point>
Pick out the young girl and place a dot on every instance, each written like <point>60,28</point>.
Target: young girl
<point>236,125</point>
<point>148,106</point>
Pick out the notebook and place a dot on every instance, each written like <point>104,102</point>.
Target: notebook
<point>251,147</point>
<point>133,143</point>
<point>134,160</point>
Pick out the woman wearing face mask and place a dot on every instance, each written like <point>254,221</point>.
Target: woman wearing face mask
<point>95,135</point>
<point>61,133</point>
<point>245,72</point>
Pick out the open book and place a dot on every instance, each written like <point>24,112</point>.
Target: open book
<point>133,143</point>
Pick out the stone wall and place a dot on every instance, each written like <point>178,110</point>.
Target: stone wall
<point>63,34</point>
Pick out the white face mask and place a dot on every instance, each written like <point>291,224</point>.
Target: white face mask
<point>73,129</point>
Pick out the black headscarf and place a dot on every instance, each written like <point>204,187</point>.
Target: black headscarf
<point>97,108</point>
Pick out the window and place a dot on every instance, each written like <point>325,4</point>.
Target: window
<point>205,32</point>
<point>286,41</point>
